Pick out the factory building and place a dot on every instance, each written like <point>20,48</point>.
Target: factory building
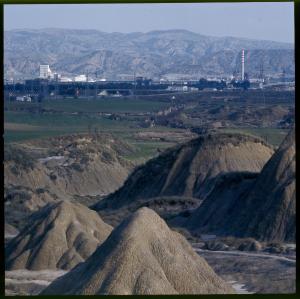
<point>45,72</point>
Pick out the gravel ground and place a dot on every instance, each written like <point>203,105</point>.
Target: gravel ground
<point>254,273</point>
<point>25,282</point>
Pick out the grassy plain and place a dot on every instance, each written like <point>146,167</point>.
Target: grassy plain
<point>24,121</point>
<point>51,118</point>
<point>114,105</point>
<point>46,125</point>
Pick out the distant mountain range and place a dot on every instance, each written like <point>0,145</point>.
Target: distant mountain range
<point>156,54</point>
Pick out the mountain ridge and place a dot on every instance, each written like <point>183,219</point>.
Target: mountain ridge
<point>287,44</point>
<point>153,54</point>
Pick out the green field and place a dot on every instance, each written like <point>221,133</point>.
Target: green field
<point>71,116</point>
<point>63,117</point>
<point>46,125</point>
<point>24,122</point>
<point>92,105</point>
<point>60,120</point>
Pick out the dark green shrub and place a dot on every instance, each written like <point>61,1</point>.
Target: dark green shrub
<point>18,156</point>
<point>84,160</point>
<point>40,190</point>
<point>107,157</point>
<point>16,195</point>
<point>53,177</point>
<point>77,167</point>
<point>15,170</point>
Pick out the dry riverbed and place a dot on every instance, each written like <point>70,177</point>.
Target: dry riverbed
<point>254,272</point>
<point>247,272</point>
<point>24,282</point>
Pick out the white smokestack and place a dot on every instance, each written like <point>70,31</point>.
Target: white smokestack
<point>243,64</point>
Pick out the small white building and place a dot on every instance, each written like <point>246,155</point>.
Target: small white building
<point>103,93</point>
<point>80,78</point>
<point>117,95</point>
<point>23,99</point>
<point>65,79</point>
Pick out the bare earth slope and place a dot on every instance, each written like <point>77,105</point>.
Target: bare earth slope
<point>262,207</point>
<point>216,209</point>
<point>58,236</point>
<point>44,171</point>
<point>9,231</point>
<point>142,256</point>
<point>190,170</point>
<point>273,197</point>
<point>68,165</point>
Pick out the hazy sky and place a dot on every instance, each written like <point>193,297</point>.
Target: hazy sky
<point>270,21</point>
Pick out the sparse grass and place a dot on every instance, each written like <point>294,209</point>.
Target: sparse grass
<point>21,158</point>
<point>271,135</point>
<point>146,150</point>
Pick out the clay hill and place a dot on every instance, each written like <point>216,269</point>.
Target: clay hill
<point>190,170</point>
<point>141,256</point>
<point>20,202</point>
<point>42,171</point>
<point>81,164</point>
<point>58,236</point>
<point>9,231</point>
<point>247,205</point>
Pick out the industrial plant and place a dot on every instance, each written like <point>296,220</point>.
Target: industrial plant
<point>55,85</point>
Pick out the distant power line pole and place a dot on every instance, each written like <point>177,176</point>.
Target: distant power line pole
<point>261,77</point>
<point>283,75</point>
<point>96,84</point>
<point>87,84</point>
<point>56,88</point>
<point>261,71</point>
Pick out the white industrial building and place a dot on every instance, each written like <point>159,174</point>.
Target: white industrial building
<point>45,71</point>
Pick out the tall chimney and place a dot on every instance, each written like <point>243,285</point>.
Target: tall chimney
<point>243,64</point>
